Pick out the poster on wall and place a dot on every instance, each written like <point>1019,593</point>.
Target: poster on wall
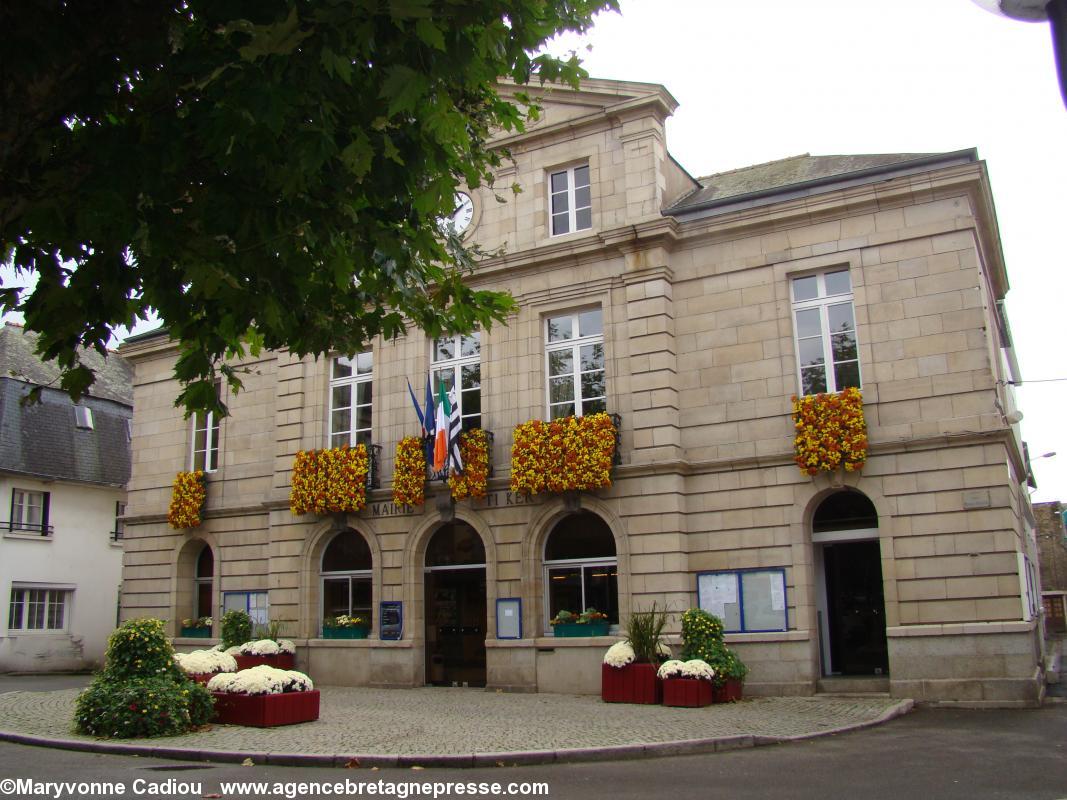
<point>747,601</point>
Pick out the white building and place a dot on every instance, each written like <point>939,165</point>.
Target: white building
<point>63,473</point>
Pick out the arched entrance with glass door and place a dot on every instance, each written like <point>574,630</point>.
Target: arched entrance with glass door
<point>849,591</point>
<point>455,603</point>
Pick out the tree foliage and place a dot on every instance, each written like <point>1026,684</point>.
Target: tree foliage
<point>264,173</point>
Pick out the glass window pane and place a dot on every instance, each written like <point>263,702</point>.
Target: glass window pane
<point>809,323</point>
<point>843,346</point>
<point>363,418</point>
<point>560,329</point>
<point>199,459</point>
<point>559,181</point>
<point>563,410</point>
<point>581,197</point>
<point>591,323</point>
<point>446,376</point>
<point>813,380</point>
<point>560,224</point>
<point>847,374</point>
<point>841,318</point>
<point>14,613</point>
<point>594,406</point>
<point>471,402</point>
<point>364,363</point>
<point>363,393</point>
<point>592,356</point>
<point>581,176</point>
<point>806,288</point>
<point>444,349</point>
<point>470,376</point>
<point>361,600</point>
<point>564,590</point>
<point>342,367</point>
<point>334,597</point>
<point>602,590</point>
<point>341,421</point>
<point>339,439</point>
<point>55,610</point>
<point>838,282</point>
<point>471,345</point>
<point>203,599</point>
<point>560,362</point>
<point>560,389</point>
<point>341,397</point>
<point>592,385</point>
<point>811,352</point>
<point>363,438</point>
<point>561,203</point>
<point>235,601</point>
<point>583,219</point>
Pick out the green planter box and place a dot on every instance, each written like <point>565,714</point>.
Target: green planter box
<point>344,633</point>
<point>576,629</point>
<point>196,633</point>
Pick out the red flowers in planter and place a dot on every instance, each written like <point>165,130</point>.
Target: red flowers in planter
<point>329,481</point>
<point>831,431</point>
<point>564,455</point>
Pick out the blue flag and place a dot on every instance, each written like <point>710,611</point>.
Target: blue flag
<point>428,425</point>
<point>418,411</point>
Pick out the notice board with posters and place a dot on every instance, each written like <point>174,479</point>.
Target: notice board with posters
<point>747,601</point>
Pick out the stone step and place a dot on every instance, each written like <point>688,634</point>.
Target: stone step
<point>853,684</point>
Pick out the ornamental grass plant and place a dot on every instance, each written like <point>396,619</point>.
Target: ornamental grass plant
<point>644,633</point>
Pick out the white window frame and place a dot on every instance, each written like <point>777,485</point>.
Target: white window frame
<point>254,602</point>
<point>39,601</point>
<point>19,507</point>
<point>455,365</point>
<point>574,345</point>
<point>609,562</point>
<point>350,575</point>
<point>570,192</point>
<point>208,424</point>
<point>118,533</point>
<point>822,302</point>
<point>355,435</point>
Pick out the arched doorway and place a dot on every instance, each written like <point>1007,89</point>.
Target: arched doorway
<point>850,598</point>
<point>455,604</point>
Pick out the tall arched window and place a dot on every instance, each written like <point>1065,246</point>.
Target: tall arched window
<point>581,568</point>
<point>346,577</point>
<point>204,577</point>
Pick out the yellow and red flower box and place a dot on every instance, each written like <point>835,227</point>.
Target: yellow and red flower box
<point>329,481</point>
<point>473,482</point>
<point>187,500</point>
<point>564,455</point>
<point>830,431</point>
<point>409,472</point>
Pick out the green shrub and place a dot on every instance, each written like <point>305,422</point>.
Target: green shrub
<point>236,629</point>
<point>701,634</point>
<point>140,649</point>
<point>644,632</point>
<point>140,707</point>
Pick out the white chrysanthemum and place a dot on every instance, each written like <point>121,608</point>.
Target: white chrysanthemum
<point>664,649</point>
<point>286,646</point>
<point>205,662</point>
<point>260,647</point>
<point>696,668</point>
<point>233,651</point>
<point>670,669</point>
<point>619,655</point>
<point>263,679</point>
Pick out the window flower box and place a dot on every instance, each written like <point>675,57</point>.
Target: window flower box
<point>266,710</point>
<point>196,633</point>
<point>729,691</point>
<point>687,692</point>
<point>633,683</point>
<point>345,633</point>
<point>572,629</point>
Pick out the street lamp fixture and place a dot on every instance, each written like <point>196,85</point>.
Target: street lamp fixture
<point>1055,11</point>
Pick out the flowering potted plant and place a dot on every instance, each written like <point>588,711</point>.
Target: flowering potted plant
<point>263,697</point>
<point>628,674</point>
<point>187,500</point>
<point>196,628</point>
<point>730,674</point>
<point>202,665</point>
<point>686,684</point>
<point>589,623</point>
<point>344,627</point>
<point>266,652</point>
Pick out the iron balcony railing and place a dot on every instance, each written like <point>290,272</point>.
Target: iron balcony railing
<point>38,528</point>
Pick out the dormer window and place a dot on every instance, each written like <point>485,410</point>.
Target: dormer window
<point>570,200</point>
<point>83,417</point>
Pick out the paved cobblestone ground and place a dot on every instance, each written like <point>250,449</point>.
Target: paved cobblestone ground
<point>460,721</point>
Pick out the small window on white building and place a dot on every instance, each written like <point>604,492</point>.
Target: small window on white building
<point>38,609</point>
<point>29,512</point>
<point>83,417</point>
<point>570,200</point>
<point>825,332</point>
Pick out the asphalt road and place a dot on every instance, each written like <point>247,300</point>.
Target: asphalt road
<point>929,754</point>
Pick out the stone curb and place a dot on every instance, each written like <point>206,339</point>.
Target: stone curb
<point>453,760</point>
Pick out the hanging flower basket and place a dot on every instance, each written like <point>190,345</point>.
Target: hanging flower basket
<point>830,432</point>
<point>187,500</point>
<point>565,455</point>
<point>474,480</point>
<point>331,481</point>
<point>409,473</point>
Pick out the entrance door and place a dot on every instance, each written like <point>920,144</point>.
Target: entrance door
<point>855,608</point>
<point>455,602</point>
<point>455,627</point>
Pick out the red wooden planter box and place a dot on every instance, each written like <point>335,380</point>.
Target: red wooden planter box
<point>634,683</point>
<point>266,710</point>
<point>687,692</point>
<point>281,661</point>
<point>729,692</point>
<point>202,679</point>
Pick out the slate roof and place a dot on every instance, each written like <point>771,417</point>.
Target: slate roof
<point>776,177</point>
<point>41,439</point>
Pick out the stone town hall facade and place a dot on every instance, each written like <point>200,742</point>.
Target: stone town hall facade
<point>694,310</point>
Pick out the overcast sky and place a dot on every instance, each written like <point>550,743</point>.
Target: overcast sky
<point>758,81</point>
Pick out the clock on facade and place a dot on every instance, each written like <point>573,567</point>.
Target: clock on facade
<point>463,214</point>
